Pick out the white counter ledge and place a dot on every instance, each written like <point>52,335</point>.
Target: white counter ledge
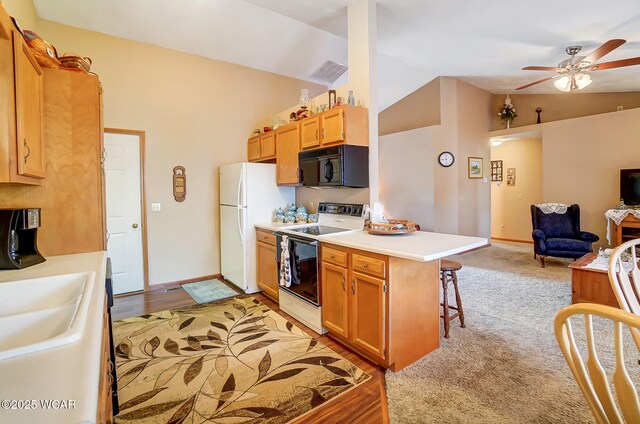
<point>70,372</point>
<point>418,246</point>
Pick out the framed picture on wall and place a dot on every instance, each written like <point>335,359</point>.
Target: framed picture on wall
<point>475,167</point>
<point>511,171</point>
<point>496,170</point>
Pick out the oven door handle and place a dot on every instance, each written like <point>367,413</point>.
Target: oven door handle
<point>300,239</point>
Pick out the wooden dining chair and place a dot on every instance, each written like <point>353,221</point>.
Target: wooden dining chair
<point>595,384</point>
<point>624,277</point>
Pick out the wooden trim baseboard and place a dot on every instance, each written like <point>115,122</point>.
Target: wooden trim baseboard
<point>513,240</point>
<point>163,286</point>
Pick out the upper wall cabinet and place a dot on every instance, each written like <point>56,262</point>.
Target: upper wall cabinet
<point>345,125</point>
<point>21,135</point>
<point>261,148</point>
<point>288,146</point>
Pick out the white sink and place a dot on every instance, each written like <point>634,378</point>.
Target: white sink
<point>43,313</point>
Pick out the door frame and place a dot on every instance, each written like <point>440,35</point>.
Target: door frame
<point>143,201</point>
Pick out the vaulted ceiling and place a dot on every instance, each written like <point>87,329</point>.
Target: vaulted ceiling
<point>484,42</point>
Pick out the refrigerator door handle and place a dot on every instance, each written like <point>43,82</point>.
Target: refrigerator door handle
<point>240,229</point>
<point>240,182</point>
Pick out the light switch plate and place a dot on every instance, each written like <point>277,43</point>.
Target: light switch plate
<point>156,207</point>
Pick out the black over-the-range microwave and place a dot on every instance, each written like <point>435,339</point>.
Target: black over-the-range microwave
<point>338,166</point>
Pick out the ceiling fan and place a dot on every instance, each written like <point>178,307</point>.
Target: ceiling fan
<point>573,73</point>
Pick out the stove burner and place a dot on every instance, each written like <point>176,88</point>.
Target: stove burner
<point>318,230</point>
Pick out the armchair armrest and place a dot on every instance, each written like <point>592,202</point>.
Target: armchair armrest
<point>538,235</point>
<point>589,237</point>
<point>539,245</point>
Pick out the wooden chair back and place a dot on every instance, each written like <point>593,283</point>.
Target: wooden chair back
<point>626,284</point>
<point>595,384</point>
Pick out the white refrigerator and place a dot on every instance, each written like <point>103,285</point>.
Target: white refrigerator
<point>248,196</point>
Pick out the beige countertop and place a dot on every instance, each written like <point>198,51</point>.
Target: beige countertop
<point>418,246</point>
<point>69,372</point>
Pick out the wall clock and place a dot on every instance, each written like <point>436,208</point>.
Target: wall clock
<point>446,159</point>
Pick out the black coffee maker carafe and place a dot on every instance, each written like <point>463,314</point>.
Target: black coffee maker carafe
<point>18,238</point>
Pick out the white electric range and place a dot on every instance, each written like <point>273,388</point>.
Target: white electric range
<point>302,297</point>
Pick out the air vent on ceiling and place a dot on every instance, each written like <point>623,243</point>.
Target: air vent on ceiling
<point>329,72</point>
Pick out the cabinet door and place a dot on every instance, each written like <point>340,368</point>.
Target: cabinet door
<point>287,146</point>
<point>310,133</point>
<point>28,77</point>
<point>368,310</point>
<point>253,149</point>
<point>333,126</point>
<point>334,299</point>
<point>268,145</point>
<point>267,269</point>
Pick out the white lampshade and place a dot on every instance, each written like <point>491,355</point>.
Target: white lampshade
<point>582,80</point>
<point>563,83</point>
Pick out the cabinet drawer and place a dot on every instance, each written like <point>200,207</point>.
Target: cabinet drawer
<point>368,265</point>
<point>334,256</point>
<point>266,237</point>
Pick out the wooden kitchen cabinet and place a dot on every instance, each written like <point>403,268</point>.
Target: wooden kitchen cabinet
<point>345,125</point>
<point>287,149</point>
<point>389,308</point>
<point>262,147</point>
<point>267,265</point>
<point>21,102</point>
<point>354,303</point>
<point>72,198</point>
<point>253,149</point>
<point>334,287</point>
<point>310,133</point>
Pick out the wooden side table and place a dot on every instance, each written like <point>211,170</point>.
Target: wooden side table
<point>590,285</point>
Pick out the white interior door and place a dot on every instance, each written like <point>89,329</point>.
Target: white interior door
<point>124,211</point>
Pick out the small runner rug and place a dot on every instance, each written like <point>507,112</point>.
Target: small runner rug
<point>209,291</point>
<point>233,361</point>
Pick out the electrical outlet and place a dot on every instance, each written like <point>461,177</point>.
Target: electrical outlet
<point>156,207</point>
<point>620,108</point>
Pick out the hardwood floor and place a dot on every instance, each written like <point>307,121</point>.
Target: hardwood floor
<point>366,403</point>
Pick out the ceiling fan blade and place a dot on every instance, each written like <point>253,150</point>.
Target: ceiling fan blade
<point>604,49</point>
<point>540,68</point>
<point>534,83</point>
<point>617,64</point>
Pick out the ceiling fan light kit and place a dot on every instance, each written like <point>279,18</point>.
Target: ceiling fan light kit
<point>573,73</point>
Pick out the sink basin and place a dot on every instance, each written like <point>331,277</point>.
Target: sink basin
<point>43,313</point>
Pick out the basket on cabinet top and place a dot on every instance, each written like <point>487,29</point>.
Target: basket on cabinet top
<point>392,226</point>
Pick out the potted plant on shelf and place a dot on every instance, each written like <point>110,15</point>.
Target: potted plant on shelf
<point>508,112</point>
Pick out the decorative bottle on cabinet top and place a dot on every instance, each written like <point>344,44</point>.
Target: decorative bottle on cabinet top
<point>351,100</point>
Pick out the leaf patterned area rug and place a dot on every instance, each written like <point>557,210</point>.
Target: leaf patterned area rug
<point>232,361</point>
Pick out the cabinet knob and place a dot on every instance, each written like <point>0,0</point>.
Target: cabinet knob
<point>353,286</point>
<point>332,256</point>
<point>365,265</point>
<point>343,285</point>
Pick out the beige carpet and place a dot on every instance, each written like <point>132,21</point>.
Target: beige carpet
<point>232,361</point>
<point>505,366</point>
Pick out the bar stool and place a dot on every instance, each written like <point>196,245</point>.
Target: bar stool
<point>448,273</point>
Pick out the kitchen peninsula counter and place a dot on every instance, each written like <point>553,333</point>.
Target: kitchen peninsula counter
<point>381,294</point>
<point>418,246</point>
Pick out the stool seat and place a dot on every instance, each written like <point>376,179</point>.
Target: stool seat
<point>448,265</point>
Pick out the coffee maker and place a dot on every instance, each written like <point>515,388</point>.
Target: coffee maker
<point>18,238</point>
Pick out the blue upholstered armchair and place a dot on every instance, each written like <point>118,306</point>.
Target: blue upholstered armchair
<point>558,234</point>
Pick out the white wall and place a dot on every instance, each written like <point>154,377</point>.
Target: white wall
<point>406,175</point>
<point>581,162</point>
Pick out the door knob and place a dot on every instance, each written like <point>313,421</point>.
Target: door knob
<point>134,226</point>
